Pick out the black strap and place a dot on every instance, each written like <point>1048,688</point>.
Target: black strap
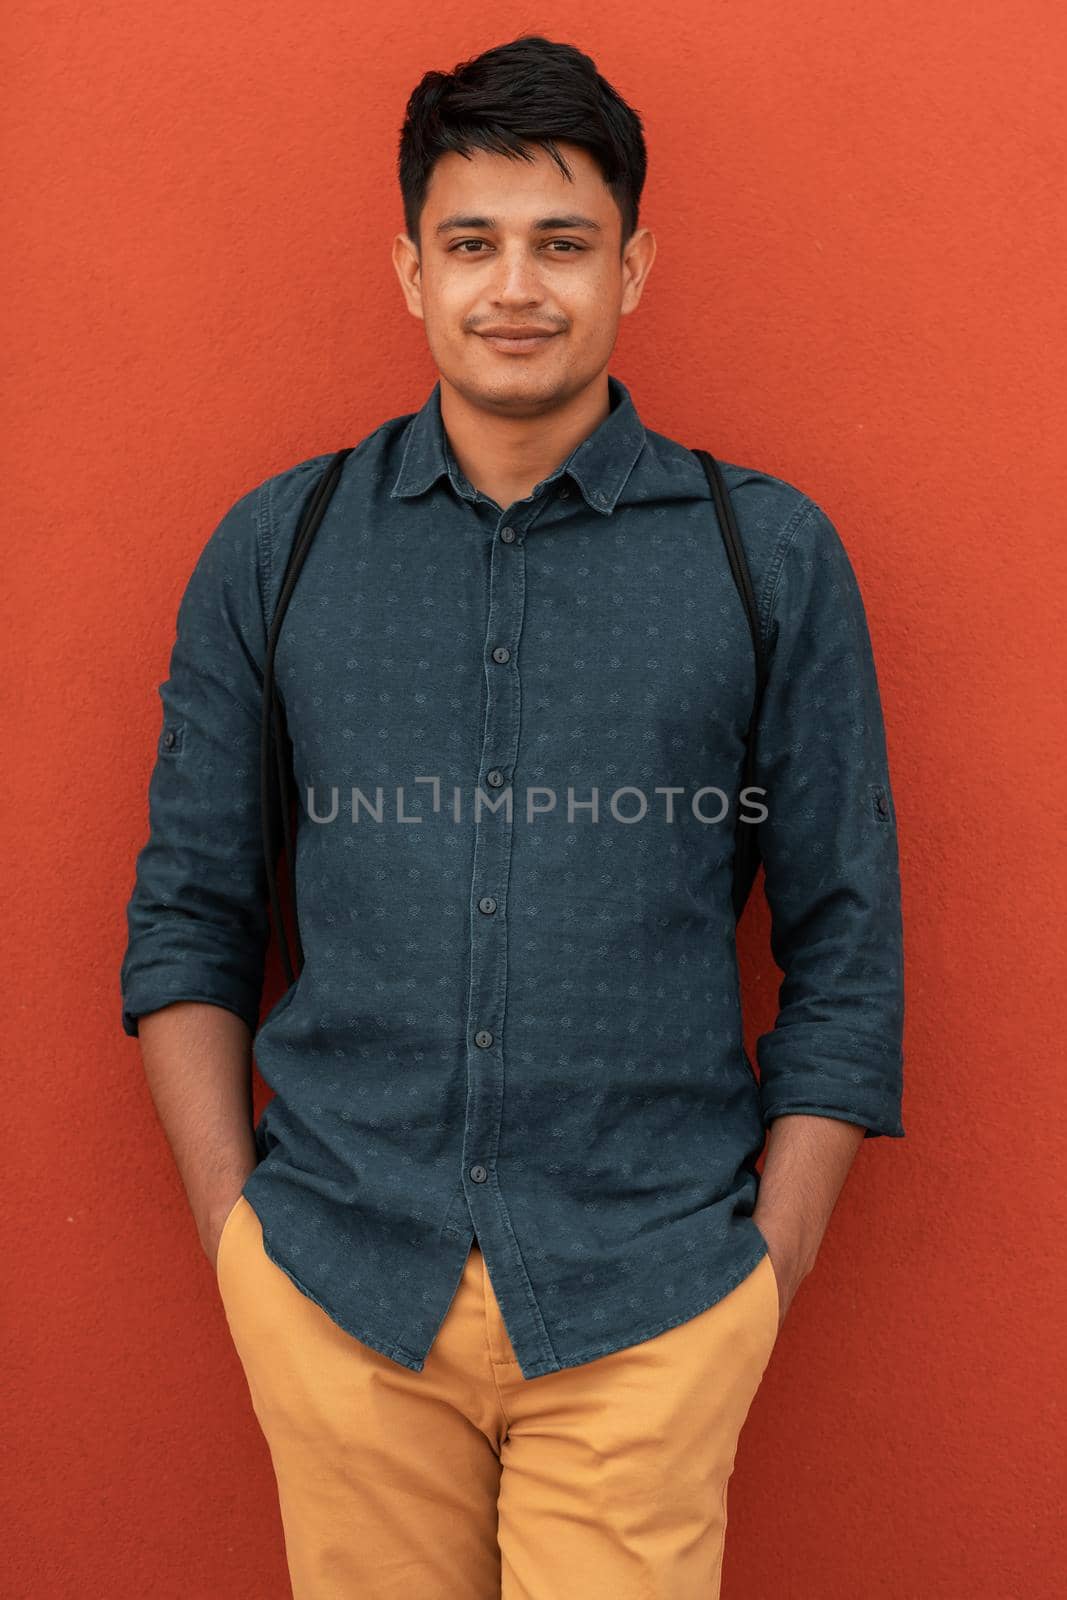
<point>276,797</point>
<point>746,845</point>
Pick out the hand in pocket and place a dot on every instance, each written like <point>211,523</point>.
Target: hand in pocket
<point>220,1235</point>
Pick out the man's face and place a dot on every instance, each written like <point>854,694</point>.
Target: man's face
<point>489,261</point>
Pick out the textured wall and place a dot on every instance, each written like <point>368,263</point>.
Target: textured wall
<point>858,287</point>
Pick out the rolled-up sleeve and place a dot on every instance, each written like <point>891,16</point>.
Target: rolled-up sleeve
<point>829,848</point>
<point>197,918</point>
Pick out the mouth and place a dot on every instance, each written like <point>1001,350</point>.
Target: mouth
<point>512,346</point>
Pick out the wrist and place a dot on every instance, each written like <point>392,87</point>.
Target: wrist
<point>788,1238</point>
<point>213,1211</point>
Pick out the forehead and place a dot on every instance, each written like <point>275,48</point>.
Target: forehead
<point>515,192</point>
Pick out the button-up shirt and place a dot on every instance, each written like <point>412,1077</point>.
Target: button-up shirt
<point>514,733</point>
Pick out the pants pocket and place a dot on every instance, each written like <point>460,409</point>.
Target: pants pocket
<point>773,1293</point>
<point>238,1203</point>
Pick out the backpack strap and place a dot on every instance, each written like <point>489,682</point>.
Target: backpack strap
<point>746,846</point>
<point>275,798</point>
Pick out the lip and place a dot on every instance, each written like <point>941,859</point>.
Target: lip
<point>514,345</point>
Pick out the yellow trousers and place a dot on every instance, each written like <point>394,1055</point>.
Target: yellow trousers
<point>466,1481</point>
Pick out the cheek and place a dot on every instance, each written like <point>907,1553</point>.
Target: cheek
<point>444,299</point>
<point>593,301</point>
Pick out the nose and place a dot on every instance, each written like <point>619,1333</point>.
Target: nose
<point>516,280</point>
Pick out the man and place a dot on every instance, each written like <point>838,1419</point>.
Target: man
<point>497,1259</point>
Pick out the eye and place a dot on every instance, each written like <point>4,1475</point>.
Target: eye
<point>571,245</point>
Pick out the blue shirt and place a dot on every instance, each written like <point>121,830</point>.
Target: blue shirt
<point>519,1016</point>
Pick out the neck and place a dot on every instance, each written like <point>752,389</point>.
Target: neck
<point>506,456</point>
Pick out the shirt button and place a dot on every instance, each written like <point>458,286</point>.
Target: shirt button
<point>883,804</point>
<point>507,534</point>
<point>487,904</point>
<point>495,778</point>
<point>564,494</point>
<point>501,653</point>
<point>479,1174</point>
<point>483,1038</point>
<point>168,738</point>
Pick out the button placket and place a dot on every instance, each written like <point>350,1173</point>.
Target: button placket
<point>493,831</point>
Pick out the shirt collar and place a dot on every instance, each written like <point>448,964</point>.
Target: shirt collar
<point>600,464</point>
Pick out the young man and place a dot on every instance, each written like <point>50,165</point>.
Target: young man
<point>497,1260</point>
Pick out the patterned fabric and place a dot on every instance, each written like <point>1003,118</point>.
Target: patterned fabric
<point>515,733</point>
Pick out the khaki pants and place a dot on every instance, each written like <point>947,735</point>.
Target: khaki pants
<point>466,1481</point>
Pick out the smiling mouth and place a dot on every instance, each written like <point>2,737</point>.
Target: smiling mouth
<point>514,347</point>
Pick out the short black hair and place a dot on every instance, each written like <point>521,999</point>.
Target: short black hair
<point>531,91</point>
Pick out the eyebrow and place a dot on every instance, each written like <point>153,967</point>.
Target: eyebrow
<point>573,219</point>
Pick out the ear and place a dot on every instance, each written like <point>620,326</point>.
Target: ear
<point>409,271</point>
<point>636,265</point>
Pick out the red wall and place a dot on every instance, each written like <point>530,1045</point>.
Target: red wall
<point>859,287</point>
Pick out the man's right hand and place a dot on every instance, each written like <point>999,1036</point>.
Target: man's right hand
<point>212,1234</point>
<point>197,1059</point>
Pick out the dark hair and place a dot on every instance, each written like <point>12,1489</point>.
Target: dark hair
<point>532,91</point>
